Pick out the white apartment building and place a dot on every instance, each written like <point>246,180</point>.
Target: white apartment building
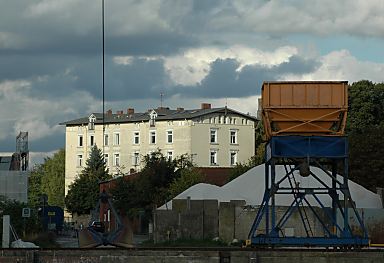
<point>212,137</point>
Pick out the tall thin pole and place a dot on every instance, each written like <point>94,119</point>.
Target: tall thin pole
<point>102,16</point>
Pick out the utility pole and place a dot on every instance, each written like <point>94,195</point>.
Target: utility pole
<point>103,73</point>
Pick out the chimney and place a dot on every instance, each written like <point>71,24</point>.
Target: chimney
<point>205,106</point>
<point>109,112</point>
<point>130,111</point>
<point>180,109</point>
<point>119,112</point>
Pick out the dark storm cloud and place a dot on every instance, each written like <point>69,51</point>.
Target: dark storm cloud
<point>53,77</point>
<point>13,67</point>
<point>140,79</point>
<point>48,143</point>
<point>8,144</point>
<point>146,78</point>
<point>224,81</point>
<point>149,45</point>
<point>91,45</point>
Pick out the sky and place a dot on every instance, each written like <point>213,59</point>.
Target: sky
<point>192,51</point>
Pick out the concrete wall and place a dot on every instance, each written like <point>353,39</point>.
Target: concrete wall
<point>202,219</point>
<point>196,219</point>
<point>184,256</point>
<point>14,185</point>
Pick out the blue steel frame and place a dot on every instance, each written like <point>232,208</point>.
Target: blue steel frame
<point>293,152</point>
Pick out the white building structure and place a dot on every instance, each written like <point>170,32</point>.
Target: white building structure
<point>212,137</point>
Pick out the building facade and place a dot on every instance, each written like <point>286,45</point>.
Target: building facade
<point>212,137</point>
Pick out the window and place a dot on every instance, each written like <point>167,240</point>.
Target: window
<point>135,158</point>
<point>116,139</point>
<point>136,138</point>
<point>233,136</point>
<point>213,138</point>
<point>91,140</point>
<point>106,159</point>
<point>79,160</point>
<point>213,157</point>
<point>116,160</point>
<point>152,137</point>
<point>152,122</point>
<point>170,156</point>
<point>170,136</point>
<point>233,158</point>
<point>106,139</point>
<point>80,140</point>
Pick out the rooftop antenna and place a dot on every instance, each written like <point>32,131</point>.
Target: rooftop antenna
<point>226,104</point>
<point>161,99</point>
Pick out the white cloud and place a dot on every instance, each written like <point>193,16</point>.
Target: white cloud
<point>38,116</point>
<point>245,105</point>
<point>49,7</point>
<point>123,60</point>
<point>324,17</point>
<point>11,40</point>
<point>37,128</point>
<point>342,65</point>
<point>193,65</point>
<point>135,17</point>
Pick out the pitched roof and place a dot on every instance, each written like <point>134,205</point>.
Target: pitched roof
<point>163,114</point>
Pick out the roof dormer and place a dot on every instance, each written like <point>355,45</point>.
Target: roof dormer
<point>152,117</point>
<point>91,122</point>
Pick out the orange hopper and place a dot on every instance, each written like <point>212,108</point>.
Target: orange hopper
<point>304,108</point>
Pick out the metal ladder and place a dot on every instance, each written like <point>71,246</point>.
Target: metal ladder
<point>301,208</point>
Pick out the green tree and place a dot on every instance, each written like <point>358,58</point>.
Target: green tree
<point>34,185</point>
<point>48,178</point>
<point>14,208</point>
<point>83,193</point>
<point>151,187</point>
<point>53,181</point>
<point>365,106</point>
<point>155,178</point>
<point>188,177</point>
<point>125,196</point>
<point>365,126</point>
<point>366,165</point>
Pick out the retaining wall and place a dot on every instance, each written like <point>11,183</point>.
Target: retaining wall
<point>184,256</point>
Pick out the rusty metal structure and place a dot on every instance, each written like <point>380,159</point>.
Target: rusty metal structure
<point>22,151</point>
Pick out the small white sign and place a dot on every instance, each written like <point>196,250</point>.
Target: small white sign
<point>26,212</point>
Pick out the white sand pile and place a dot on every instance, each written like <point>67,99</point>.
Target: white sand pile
<point>250,187</point>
